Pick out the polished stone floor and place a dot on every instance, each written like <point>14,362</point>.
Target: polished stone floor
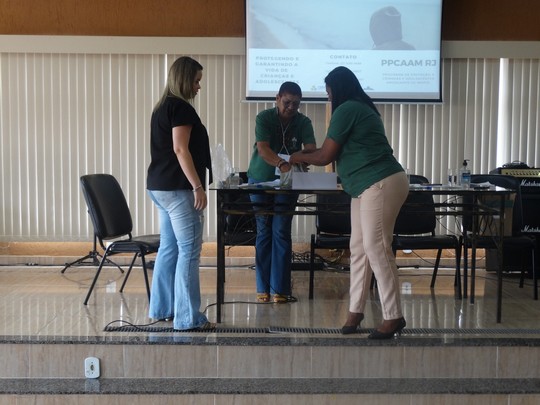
<point>39,301</point>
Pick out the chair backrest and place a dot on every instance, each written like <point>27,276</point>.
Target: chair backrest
<point>417,215</point>
<point>509,182</point>
<point>417,179</point>
<point>107,206</point>
<point>240,229</point>
<point>332,223</point>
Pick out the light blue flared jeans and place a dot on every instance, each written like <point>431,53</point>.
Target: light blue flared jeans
<point>175,283</point>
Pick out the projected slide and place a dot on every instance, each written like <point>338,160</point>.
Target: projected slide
<point>394,48</point>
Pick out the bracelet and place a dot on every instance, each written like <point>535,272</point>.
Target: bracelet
<point>281,163</point>
<point>198,187</point>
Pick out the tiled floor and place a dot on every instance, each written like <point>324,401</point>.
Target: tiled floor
<point>40,301</point>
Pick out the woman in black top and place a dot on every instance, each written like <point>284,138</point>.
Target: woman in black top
<point>180,156</point>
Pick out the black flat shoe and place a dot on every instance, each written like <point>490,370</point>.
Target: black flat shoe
<point>349,329</point>
<point>208,326</point>
<point>378,335</point>
<point>169,319</point>
<point>205,327</point>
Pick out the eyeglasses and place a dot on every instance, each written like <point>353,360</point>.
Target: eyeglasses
<point>291,104</point>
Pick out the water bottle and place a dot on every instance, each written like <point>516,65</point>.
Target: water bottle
<point>285,179</point>
<point>235,179</point>
<point>465,175</point>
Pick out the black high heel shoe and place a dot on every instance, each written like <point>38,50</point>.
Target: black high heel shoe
<point>349,329</point>
<point>376,334</point>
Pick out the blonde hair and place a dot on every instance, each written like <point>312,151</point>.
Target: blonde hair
<point>182,74</point>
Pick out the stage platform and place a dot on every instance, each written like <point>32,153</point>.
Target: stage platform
<point>451,351</point>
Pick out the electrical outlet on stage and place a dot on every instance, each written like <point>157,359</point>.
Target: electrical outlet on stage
<point>91,367</point>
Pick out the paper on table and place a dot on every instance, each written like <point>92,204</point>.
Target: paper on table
<point>485,184</point>
<point>273,183</point>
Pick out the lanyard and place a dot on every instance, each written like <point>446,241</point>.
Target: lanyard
<point>283,133</point>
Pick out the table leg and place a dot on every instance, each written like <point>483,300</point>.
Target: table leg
<point>500,258</point>
<point>220,258</point>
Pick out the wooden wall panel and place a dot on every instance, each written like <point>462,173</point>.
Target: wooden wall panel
<point>464,20</point>
<point>491,20</point>
<point>174,18</point>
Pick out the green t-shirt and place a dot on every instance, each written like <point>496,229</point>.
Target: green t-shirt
<point>365,156</point>
<point>286,140</point>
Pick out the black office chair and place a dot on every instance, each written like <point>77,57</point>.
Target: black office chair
<point>516,239</point>
<point>333,230</point>
<point>415,230</point>
<point>112,222</point>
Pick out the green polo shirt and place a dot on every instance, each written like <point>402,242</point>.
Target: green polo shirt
<point>365,156</point>
<point>286,140</point>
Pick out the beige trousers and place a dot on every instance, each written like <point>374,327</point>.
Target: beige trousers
<point>373,215</point>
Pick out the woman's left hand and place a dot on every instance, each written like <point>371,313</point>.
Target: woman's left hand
<point>285,167</point>
<point>295,158</point>
<point>200,199</point>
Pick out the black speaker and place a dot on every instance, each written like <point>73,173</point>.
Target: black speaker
<point>512,259</point>
<point>530,202</point>
<point>531,212</point>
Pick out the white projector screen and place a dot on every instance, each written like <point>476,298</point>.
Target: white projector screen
<point>393,47</point>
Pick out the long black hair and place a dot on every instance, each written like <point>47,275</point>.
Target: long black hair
<point>345,86</point>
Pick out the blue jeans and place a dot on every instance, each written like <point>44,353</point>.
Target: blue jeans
<point>176,288</point>
<point>273,246</point>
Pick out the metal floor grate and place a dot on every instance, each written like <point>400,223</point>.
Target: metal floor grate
<point>320,331</point>
<point>412,331</point>
<point>168,329</point>
<point>471,331</point>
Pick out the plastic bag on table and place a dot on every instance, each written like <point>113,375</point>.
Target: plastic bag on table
<point>221,165</point>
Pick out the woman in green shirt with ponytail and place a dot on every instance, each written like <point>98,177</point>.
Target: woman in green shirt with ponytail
<point>378,185</point>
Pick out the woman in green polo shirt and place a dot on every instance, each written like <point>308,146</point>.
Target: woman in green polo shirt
<point>378,185</point>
